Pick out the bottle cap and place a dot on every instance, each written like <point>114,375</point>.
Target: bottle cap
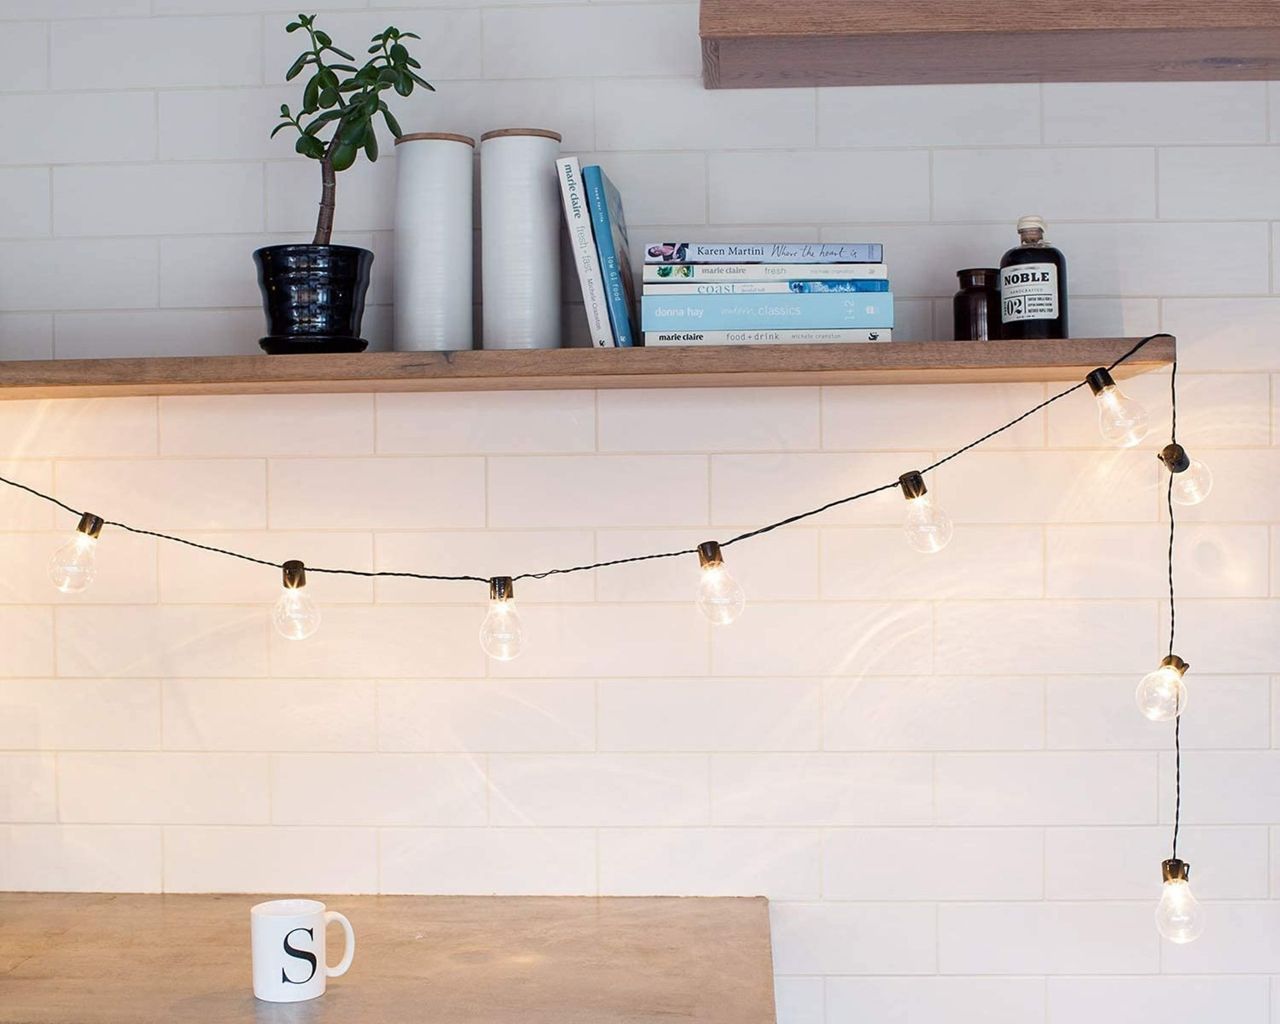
<point>1031,223</point>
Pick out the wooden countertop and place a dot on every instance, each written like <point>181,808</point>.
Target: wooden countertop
<point>130,959</point>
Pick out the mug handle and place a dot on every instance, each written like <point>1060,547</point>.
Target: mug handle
<point>341,967</point>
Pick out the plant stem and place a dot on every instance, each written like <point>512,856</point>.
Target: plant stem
<point>328,195</point>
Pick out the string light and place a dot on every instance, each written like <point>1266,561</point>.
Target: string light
<point>74,565</point>
<point>1122,421</point>
<point>295,615</point>
<point>501,632</point>
<point>927,527</point>
<point>720,596</point>
<point>1179,917</point>
<point>1162,694</point>
<point>1191,479</point>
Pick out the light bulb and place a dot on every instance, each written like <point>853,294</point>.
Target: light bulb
<point>295,615</point>
<point>1162,694</point>
<point>720,596</point>
<point>501,633</point>
<point>1122,420</point>
<point>1192,480</point>
<point>74,565</point>
<point>927,527</point>
<point>1179,917</point>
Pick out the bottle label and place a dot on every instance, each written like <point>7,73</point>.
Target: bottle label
<point>1029,291</point>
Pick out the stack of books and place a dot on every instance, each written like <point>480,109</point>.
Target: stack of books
<point>765,293</point>
<point>598,242</point>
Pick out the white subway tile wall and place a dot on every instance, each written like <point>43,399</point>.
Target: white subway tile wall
<point>933,767</point>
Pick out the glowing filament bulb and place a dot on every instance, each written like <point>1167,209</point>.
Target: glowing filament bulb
<point>295,615</point>
<point>1192,480</point>
<point>720,596</point>
<point>1179,917</point>
<point>74,565</point>
<point>1121,420</point>
<point>1162,694</point>
<point>501,632</point>
<point>927,527</point>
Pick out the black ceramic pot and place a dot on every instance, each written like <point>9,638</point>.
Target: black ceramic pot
<point>313,296</point>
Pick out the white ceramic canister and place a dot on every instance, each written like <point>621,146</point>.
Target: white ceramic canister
<point>520,238</point>
<point>434,240</point>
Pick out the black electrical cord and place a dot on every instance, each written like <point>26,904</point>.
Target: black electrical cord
<point>1177,718</point>
<point>385,573</point>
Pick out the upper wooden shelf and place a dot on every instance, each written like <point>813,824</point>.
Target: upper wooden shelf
<point>755,43</point>
<point>899,362</point>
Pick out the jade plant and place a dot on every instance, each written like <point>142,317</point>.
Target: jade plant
<point>340,102</point>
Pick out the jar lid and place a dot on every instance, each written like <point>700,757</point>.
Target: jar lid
<point>438,136</point>
<point>978,276</point>
<point>1031,223</point>
<point>499,133</point>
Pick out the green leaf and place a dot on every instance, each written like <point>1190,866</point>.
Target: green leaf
<point>311,96</point>
<point>310,146</point>
<point>371,147</point>
<point>278,128</point>
<point>353,131</point>
<point>295,69</point>
<point>323,38</point>
<point>320,120</point>
<point>410,35</point>
<point>343,157</point>
<point>393,125</point>
<point>399,54</point>
<point>413,63</point>
<point>374,49</point>
<point>422,81</point>
<point>293,26</point>
<point>284,110</point>
<point>404,84</point>
<point>342,53</point>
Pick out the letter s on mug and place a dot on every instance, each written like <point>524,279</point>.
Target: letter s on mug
<point>300,954</point>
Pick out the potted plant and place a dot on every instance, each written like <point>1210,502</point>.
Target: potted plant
<point>314,294</point>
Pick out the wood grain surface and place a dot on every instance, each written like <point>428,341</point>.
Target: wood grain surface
<point>131,959</point>
<point>567,368</point>
<point>765,43</point>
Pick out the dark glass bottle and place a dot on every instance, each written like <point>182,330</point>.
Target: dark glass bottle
<point>1033,286</point>
<point>977,305</point>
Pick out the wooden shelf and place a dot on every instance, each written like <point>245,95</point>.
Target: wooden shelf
<point>899,362</point>
<point>758,43</point>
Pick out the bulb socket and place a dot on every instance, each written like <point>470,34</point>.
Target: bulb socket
<point>709,556</point>
<point>501,589</point>
<point>912,485</point>
<point>90,525</point>
<point>1175,663</point>
<point>1174,870</point>
<point>1175,458</point>
<point>295,574</point>
<point>1099,380</point>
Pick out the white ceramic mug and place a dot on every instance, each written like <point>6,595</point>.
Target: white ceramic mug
<point>289,963</point>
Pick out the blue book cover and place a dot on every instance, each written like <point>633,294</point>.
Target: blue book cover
<point>610,227</point>
<point>768,312</point>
